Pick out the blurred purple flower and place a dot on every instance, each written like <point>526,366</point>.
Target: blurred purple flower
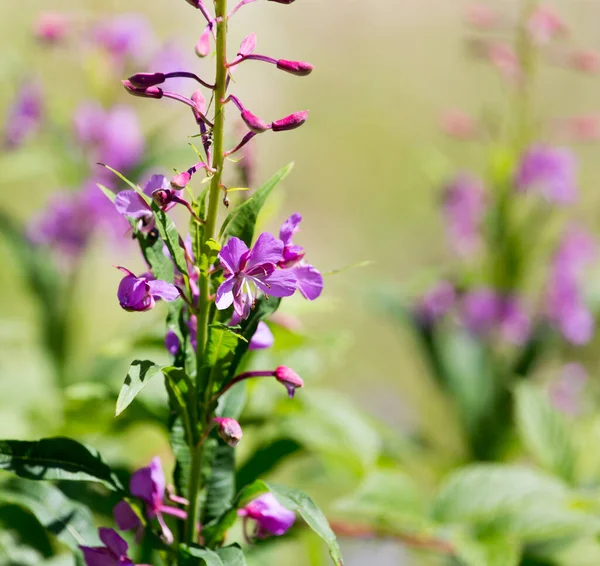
<point>464,206</point>
<point>565,305</point>
<point>552,172</point>
<point>125,36</point>
<point>435,303</point>
<point>171,58</point>
<point>52,27</point>
<point>114,553</point>
<point>148,484</point>
<point>248,271</point>
<point>271,517</point>
<point>565,392</point>
<point>138,294</point>
<point>25,115</point>
<point>484,310</point>
<point>262,338</point>
<point>172,343</point>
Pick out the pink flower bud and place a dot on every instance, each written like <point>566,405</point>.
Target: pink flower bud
<point>150,92</point>
<point>145,80</point>
<point>290,122</point>
<point>199,101</point>
<point>51,27</point>
<point>230,430</point>
<point>203,44</point>
<point>585,61</point>
<point>545,25</point>
<point>256,124</point>
<point>181,181</point>
<point>289,379</point>
<point>299,68</point>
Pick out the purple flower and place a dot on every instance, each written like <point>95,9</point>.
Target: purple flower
<point>464,207</point>
<point>148,484</point>
<point>565,305</point>
<point>138,294</point>
<point>24,115</point>
<point>549,171</point>
<point>484,311</point>
<point>435,303</point>
<point>262,338</point>
<point>126,518</point>
<point>114,553</point>
<point>124,36</point>
<point>271,517</point>
<point>309,279</point>
<point>172,343</point>
<point>248,271</point>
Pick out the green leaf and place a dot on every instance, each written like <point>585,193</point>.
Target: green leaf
<point>232,555</point>
<point>296,500</point>
<point>545,432</point>
<point>168,232</point>
<point>56,458</point>
<point>72,523</point>
<point>139,375</point>
<point>220,488</point>
<point>110,195</point>
<point>208,557</point>
<point>492,549</point>
<point>162,266</point>
<point>241,221</point>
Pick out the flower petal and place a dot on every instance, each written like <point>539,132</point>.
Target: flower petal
<point>113,541</point>
<point>99,556</point>
<point>164,290</point>
<point>262,338</point>
<point>129,203</point>
<point>267,249</point>
<point>156,182</point>
<point>224,298</point>
<point>280,283</point>
<point>310,281</point>
<point>289,228</point>
<point>231,253</point>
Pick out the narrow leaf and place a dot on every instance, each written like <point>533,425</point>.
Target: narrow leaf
<point>139,375</point>
<point>168,232</point>
<point>208,557</point>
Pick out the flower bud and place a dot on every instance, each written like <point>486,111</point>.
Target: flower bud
<point>256,124</point>
<point>150,92</point>
<point>229,431</point>
<point>289,379</point>
<point>202,47</point>
<point>199,101</point>
<point>299,68</point>
<point>181,181</point>
<point>290,122</point>
<point>145,80</point>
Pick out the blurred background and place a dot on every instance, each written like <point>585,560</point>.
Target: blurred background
<point>369,165</point>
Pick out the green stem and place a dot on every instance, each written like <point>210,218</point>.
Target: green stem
<point>208,233</point>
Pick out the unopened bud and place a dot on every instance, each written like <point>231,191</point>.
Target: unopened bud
<point>203,44</point>
<point>150,92</point>
<point>145,80</point>
<point>199,101</point>
<point>289,379</point>
<point>181,181</point>
<point>299,68</point>
<point>256,124</point>
<point>290,122</point>
<point>230,430</point>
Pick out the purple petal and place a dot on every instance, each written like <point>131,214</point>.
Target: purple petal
<point>270,515</point>
<point>125,517</point>
<point>158,477</point>
<point>164,290</point>
<point>172,343</point>
<point>99,556</point>
<point>267,249</point>
<point>142,486</point>
<point>289,228</point>
<point>129,203</point>
<point>133,294</point>
<point>231,254</point>
<point>224,298</point>
<point>156,182</point>
<point>280,283</point>
<point>113,541</point>
<point>262,338</point>
<point>309,280</point>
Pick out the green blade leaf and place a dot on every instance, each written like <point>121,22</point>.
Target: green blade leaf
<point>296,500</point>
<point>232,555</point>
<point>139,375</point>
<point>72,523</point>
<point>168,232</point>
<point>545,432</point>
<point>493,549</point>
<point>208,557</point>
<point>56,458</point>
<point>220,488</point>
<point>241,221</point>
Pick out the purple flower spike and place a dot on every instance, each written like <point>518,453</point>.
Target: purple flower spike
<point>148,484</point>
<point>139,294</point>
<point>298,68</point>
<point>290,122</point>
<point>262,338</point>
<point>271,517</point>
<point>289,379</point>
<point>24,116</point>
<point>149,92</point>
<point>145,80</point>
<point>114,553</point>
<point>229,431</point>
<point>249,271</point>
<point>549,171</point>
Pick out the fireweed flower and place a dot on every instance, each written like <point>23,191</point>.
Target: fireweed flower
<point>545,25</point>
<point>127,36</point>
<point>484,311</point>
<point>138,294</point>
<point>270,516</point>
<point>229,430</point>
<point>309,279</point>
<point>262,338</point>
<point>435,303</point>
<point>148,484</point>
<point>24,116</point>
<point>549,171</point>
<point>114,553</point>
<point>464,206</point>
<point>248,271</point>
<point>565,305</point>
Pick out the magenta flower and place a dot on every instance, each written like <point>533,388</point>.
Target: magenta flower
<point>24,115</point>
<point>309,279</point>
<point>249,271</point>
<point>435,303</point>
<point>52,27</point>
<point>124,36</point>
<point>114,553</point>
<point>148,484</point>
<point>262,338</point>
<point>138,294</point>
<point>464,206</point>
<point>271,517</point>
<point>550,172</point>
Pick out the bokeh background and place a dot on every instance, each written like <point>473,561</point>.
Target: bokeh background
<point>369,163</point>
